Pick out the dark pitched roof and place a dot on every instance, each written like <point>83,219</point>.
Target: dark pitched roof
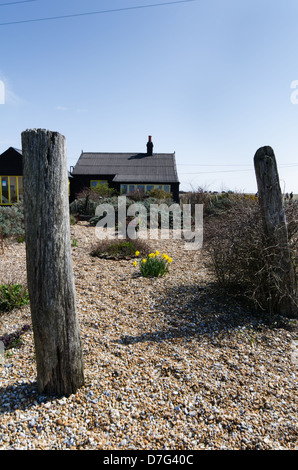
<point>18,150</point>
<point>129,167</point>
<point>11,162</point>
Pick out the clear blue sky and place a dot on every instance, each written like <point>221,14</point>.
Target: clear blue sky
<point>208,79</point>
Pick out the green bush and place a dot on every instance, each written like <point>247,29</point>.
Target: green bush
<point>146,203</point>
<point>119,249</point>
<point>112,201</point>
<point>72,219</point>
<point>103,191</point>
<point>88,199</point>
<point>83,206</point>
<point>159,194</point>
<point>12,221</point>
<point>12,296</point>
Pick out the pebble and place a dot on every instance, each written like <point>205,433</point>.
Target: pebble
<point>167,365</point>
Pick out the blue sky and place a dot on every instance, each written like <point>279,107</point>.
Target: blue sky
<point>210,80</point>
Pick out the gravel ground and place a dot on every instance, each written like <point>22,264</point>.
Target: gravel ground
<point>168,364</point>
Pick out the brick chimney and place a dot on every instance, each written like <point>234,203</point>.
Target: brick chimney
<point>149,146</point>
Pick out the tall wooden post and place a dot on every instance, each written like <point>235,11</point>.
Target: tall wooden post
<point>275,229</point>
<point>49,263</point>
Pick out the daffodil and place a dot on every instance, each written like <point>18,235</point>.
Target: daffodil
<point>137,253</point>
<point>135,263</point>
<point>153,265</point>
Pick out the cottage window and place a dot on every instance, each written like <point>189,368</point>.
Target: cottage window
<point>4,190</point>
<point>20,188</point>
<point>97,183</point>
<point>11,189</point>
<point>123,188</point>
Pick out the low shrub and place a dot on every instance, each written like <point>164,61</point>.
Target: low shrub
<point>72,219</point>
<point>163,206</point>
<point>14,340</point>
<point>74,242</point>
<point>119,248</point>
<point>159,194</point>
<point>96,194</point>
<point>12,221</point>
<point>113,202</point>
<point>82,206</point>
<point>88,199</point>
<point>137,195</point>
<point>12,296</point>
<point>241,257</point>
<point>214,203</point>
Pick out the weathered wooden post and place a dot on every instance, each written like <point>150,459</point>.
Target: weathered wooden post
<point>276,232</point>
<point>49,263</point>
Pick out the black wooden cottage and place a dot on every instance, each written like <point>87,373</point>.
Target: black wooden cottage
<point>126,172</point>
<point>11,176</point>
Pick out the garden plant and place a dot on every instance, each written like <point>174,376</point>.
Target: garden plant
<point>154,264</point>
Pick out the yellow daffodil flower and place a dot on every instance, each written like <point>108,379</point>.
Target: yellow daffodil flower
<point>137,253</point>
<point>135,263</point>
<point>144,260</point>
<point>157,253</point>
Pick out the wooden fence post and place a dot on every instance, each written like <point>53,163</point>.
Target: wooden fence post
<point>49,263</point>
<point>276,232</point>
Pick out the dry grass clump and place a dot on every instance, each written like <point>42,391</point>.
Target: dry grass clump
<point>241,256</point>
